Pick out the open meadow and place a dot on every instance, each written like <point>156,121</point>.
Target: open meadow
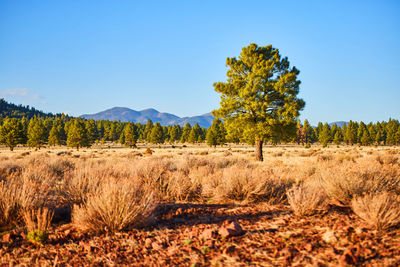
<point>194,205</point>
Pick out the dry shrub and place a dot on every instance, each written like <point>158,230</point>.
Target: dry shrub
<point>380,211</point>
<point>169,181</point>
<point>16,195</point>
<point>352,157</point>
<point>87,177</point>
<point>60,166</point>
<point>306,199</point>
<point>345,181</point>
<point>324,157</point>
<point>387,159</point>
<point>227,153</point>
<point>277,154</point>
<point>202,153</point>
<point>148,151</point>
<point>250,185</point>
<point>113,207</point>
<point>37,223</point>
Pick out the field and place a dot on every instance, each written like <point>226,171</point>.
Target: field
<point>194,205</point>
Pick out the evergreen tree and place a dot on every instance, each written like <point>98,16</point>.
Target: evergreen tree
<point>36,133</point>
<point>365,138</point>
<point>57,133</point>
<point>391,129</point>
<point>91,129</point>
<point>325,135</point>
<point>11,133</point>
<point>77,135</point>
<point>130,135</point>
<point>308,132</point>
<point>185,133</point>
<point>194,134</point>
<point>338,138</point>
<point>397,137</point>
<point>260,94</point>
<point>216,134</point>
<point>174,134</point>
<point>156,136</point>
<point>378,138</point>
<point>351,133</point>
<point>147,131</point>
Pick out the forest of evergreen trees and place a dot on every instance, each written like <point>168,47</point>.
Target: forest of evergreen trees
<point>77,132</point>
<point>23,125</point>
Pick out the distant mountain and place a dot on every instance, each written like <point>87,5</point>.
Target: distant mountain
<point>338,123</point>
<point>127,114</point>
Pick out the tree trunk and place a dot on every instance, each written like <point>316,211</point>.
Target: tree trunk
<point>259,154</point>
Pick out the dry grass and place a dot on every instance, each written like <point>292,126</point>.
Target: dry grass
<point>345,181</point>
<point>189,174</point>
<point>113,207</point>
<point>380,211</point>
<point>38,220</point>
<point>306,199</point>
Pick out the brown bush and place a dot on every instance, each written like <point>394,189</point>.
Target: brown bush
<point>306,199</point>
<point>113,207</point>
<point>380,211</point>
<point>344,182</point>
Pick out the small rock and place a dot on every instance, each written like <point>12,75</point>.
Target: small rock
<point>7,237</point>
<point>156,246</point>
<point>329,237</point>
<point>230,228</point>
<point>148,242</point>
<point>207,234</point>
<point>308,247</point>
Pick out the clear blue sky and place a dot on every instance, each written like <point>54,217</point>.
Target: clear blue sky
<point>87,56</point>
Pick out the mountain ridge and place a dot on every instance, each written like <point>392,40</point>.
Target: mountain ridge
<point>125,114</point>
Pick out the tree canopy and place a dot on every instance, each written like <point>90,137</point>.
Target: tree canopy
<point>260,95</point>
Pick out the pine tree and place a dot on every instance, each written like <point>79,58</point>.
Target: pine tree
<point>11,133</point>
<point>36,133</point>
<point>325,135</point>
<point>130,135</point>
<point>216,134</point>
<point>365,138</point>
<point>378,138</point>
<point>338,138</point>
<point>147,131</point>
<point>57,134</point>
<point>391,129</point>
<point>211,137</point>
<point>185,133</point>
<point>397,137</point>
<point>194,134</point>
<point>91,129</point>
<point>77,135</point>
<point>260,95</point>
<point>174,134</point>
<point>156,136</point>
<point>351,133</point>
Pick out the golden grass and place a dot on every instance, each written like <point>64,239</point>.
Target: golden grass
<point>380,211</point>
<point>306,199</point>
<point>58,177</point>
<point>113,207</point>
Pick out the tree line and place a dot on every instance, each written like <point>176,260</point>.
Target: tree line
<point>37,132</point>
<point>77,132</point>
<point>380,133</point>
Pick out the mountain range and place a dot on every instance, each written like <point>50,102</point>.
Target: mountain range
<point>127,114</point>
